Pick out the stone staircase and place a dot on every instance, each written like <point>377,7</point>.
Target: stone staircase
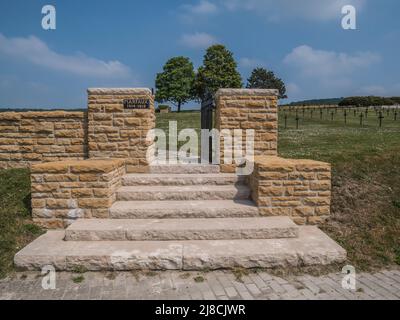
<point>189,217</point>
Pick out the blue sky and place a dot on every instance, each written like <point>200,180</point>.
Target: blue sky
<point>124,43</point>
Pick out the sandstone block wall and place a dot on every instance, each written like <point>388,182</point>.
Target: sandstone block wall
<point>300,189</point>
<point>67,190</point>
<point>248,109</point>
<point>115,132</point>
<point>32,137</point>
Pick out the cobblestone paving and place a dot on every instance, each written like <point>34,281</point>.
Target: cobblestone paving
<point>220,285</point>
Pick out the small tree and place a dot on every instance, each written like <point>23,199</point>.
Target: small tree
<point>262,79</point>
<point>218,71</point>
<point>175,83</point>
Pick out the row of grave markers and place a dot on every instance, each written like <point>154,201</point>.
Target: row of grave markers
<point>332,111</point>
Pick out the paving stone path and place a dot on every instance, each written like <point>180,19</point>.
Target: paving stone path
<point>216,285</point>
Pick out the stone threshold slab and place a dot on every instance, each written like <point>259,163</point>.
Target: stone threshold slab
<point>312,247</point>
<point>181,229</point>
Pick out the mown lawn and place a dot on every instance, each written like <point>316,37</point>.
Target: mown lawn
<point>16,227</point>
<point>184,120</point>
<point>366,185</point>
<point>366,180</point>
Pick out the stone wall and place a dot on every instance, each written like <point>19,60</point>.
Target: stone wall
<point>115,132</point>
<point>300,189</point>
<point>248,109</point>
<point>107,130</point>
<point>31,137</point>
<point>67,190</point>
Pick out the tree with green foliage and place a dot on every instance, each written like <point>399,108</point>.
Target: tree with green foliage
<point>317,102</point>
<point>218,71</point>
<point>396,100</point>
<point>368,101</point>
<point>263,79</point>
<point>175,83</point>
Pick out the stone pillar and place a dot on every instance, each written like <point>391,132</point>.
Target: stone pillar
<point>248,109</point>
<point>118,123</point>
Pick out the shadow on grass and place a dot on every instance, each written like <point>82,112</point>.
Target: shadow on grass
<point>28,205</point>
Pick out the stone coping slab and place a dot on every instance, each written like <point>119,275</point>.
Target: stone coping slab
<point>119,91</point>
<point>274,163</point>
<point>16,116</point>
<point>78,166</point>
<point>247,92</point>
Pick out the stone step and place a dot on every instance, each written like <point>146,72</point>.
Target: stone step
<point>184,168</point>
<point>201,192</point>
<point>183,209</point>
<point>181,229</point>
<point>311,248</point>
<point>176,179</point>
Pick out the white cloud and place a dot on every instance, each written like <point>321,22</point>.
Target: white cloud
<point>203,7</point>
<point>306,9</point>
<point>322,64</point>
<point>199,40</point>
<point>192,13</point>
<point>35,51</point>
<point>251,63</point>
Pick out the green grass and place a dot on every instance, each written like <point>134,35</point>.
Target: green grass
<point>366,180</point>
<point>16,227</point>
<point>239,273</point>
<point>199,279</point>
<point>79,269</point>
<point>187,119</point>
<point>78,279</point>
<point>336,141</point>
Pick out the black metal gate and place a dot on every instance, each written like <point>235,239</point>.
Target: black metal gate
<point>207,120</point>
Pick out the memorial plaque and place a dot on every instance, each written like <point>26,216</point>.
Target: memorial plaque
<point>136,104</point>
